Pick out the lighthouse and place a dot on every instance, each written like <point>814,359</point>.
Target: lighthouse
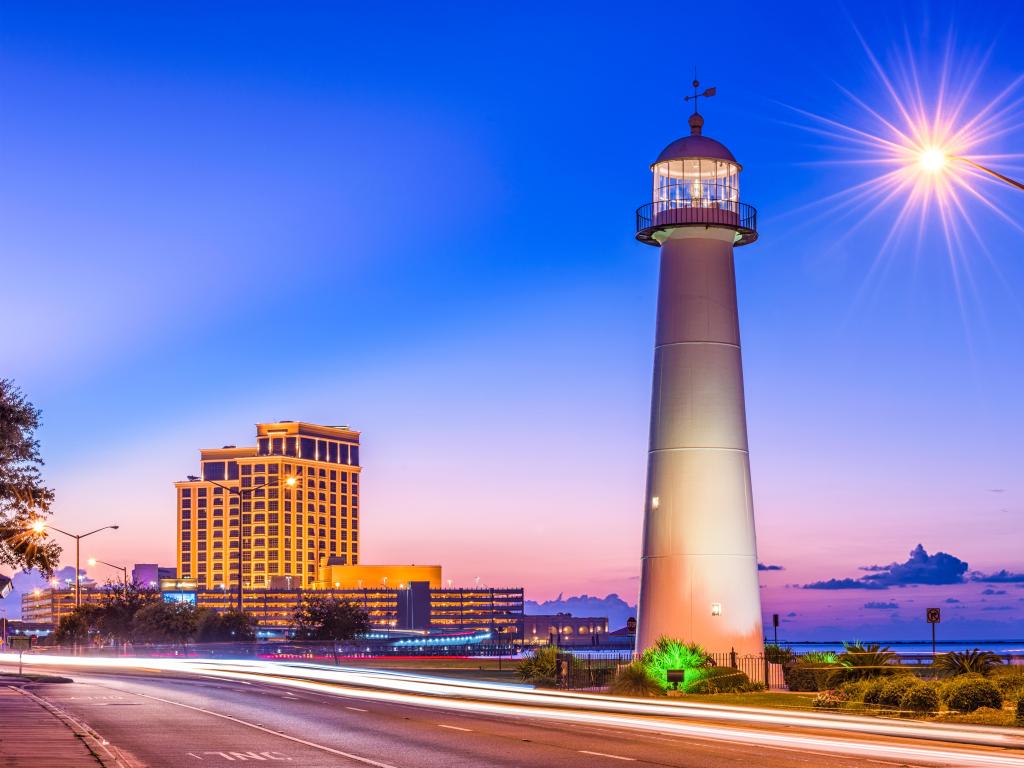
<point>698,578</point>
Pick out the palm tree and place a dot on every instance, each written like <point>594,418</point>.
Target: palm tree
<point>865,660</point>
<point>969,662</point>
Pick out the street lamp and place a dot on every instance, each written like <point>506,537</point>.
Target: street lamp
<point>39,526</point>
<point>244,494</point>
<point>122,568</point>
<point>935,160</point>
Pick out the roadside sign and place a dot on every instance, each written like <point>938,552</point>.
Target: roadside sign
<point>934,615</point>
<point>20,643</point>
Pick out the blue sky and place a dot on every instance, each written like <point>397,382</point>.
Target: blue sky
<point>418,221</point>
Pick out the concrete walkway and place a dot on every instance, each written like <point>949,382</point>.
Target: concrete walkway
<point>31,735</point>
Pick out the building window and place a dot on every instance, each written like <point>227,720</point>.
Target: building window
<point>213,470</point>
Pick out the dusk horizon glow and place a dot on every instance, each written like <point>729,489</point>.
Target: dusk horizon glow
<point>215,217</point>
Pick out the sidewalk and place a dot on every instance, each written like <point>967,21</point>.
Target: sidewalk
<point>31,735</point>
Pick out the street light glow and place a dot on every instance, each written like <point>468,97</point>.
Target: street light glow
<point>38,526</point>
<point>932,160</point>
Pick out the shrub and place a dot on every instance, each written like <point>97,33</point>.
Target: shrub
<point>1020,711</point>
<point>833,699</point>
<point>634,680</point>
<point>895,688</point>
<point>969,662</point>
<point>873,690</point>
<point>1010,682</point>
<point>776,654</point>
<point>854,690</point>
<point>718,680</point>
<point>540,667</point>
<point>668,653</point>
<point>811,672</point>
<point>966,694</point>
<point>920,698</point>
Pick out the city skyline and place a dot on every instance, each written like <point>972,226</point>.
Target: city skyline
<point>245,239</point>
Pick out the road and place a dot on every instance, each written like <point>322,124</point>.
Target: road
<point>172,718</point>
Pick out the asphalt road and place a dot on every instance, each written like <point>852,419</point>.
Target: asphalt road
<point>167,719</point>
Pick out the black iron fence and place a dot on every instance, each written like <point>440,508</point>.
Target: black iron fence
<point>667,214</point>
<point>594,671</point>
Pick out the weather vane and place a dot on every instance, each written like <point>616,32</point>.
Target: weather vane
<point>708,92</point>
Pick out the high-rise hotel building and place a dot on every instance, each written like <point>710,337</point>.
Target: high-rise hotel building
<point>291,502</point>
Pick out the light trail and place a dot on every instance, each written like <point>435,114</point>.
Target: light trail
<point>584,709</point>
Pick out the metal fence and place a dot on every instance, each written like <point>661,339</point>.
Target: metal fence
<point>595,671</point>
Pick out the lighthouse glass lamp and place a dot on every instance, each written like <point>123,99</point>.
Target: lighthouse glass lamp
<point>698,546</point>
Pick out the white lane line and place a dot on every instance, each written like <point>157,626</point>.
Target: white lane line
<point>357,709</point>
<point>605,754</point>
<point>296,739</point>
<point>454,728</point>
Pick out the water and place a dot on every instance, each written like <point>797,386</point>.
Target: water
<point>1014,647</point>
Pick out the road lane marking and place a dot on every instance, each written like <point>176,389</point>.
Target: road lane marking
<point>605,754</point>
<point>454,728</point>
<point>296,739</point>
<point>357,709</point>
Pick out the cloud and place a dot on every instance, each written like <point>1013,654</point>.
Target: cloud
<point>951,600</point>
<point>844,584</point>
<point>881,606</point>
<point>920,568</point>
<point>791,614</point>
<point>766,567</point>
<point>614,607</point>
<point>991,591</point>
<point>999,577</point>
<point>997,608</point>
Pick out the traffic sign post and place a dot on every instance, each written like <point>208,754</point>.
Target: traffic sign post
<point>21,644</point>
<point>934,616</point>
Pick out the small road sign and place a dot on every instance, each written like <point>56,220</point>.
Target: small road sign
<point>934,615</point>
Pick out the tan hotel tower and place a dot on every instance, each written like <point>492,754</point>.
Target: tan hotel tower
<point>295,496</point>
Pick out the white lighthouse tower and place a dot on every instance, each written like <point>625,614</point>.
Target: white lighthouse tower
<point>699,578</point>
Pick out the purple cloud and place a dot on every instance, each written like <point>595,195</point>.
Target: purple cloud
<point>878,606</point>
<point>766,567</point>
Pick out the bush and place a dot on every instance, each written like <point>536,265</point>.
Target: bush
<point>854,690</point>
<point>1020,711</point>
<point>833,699</point>
<point>920,698</point>
<point>776,654</point>
<point>668,653</point>
<point>811,672</point>
<point>540,667</point>
<point>718,680</point>
<point>873,690</point>
<point>634,680</point>
<point>895,688</point>
<point>1010,682</point>
<point>968,693</point>
<point>860,660</point>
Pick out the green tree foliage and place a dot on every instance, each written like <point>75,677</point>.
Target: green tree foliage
<point>668,653</point>
<point>163,622</point>
<point>23,497</point>
<point>540,667</point>
<point>77,627</point>
<point>332,620</point>
<point>921,698</point>
<point>634,680</point>
<point>970,662</point>
<point>230,626</point>
<point>967,693</point>
<point>115,617</point>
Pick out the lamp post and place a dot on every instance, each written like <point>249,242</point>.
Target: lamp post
<point>934,159</point>
<point>122,568</point>
<point>40,526</point>
<point>244,494</point>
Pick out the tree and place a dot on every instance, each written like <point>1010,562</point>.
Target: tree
<point>330,619</point>
<point>116,617</point>
<point>23,497</point>
<point>969,662</point>
<point>163,622</point>
<point>230,626</point>
<point>75,627</point>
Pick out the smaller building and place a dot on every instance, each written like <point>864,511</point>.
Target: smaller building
<point>49,606</point>
<point>564,629</point>
<point>335,574</point>
<point>150,574</point>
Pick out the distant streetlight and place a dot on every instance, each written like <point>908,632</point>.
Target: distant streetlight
<point>40,526</point>
<point>122,568</point>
